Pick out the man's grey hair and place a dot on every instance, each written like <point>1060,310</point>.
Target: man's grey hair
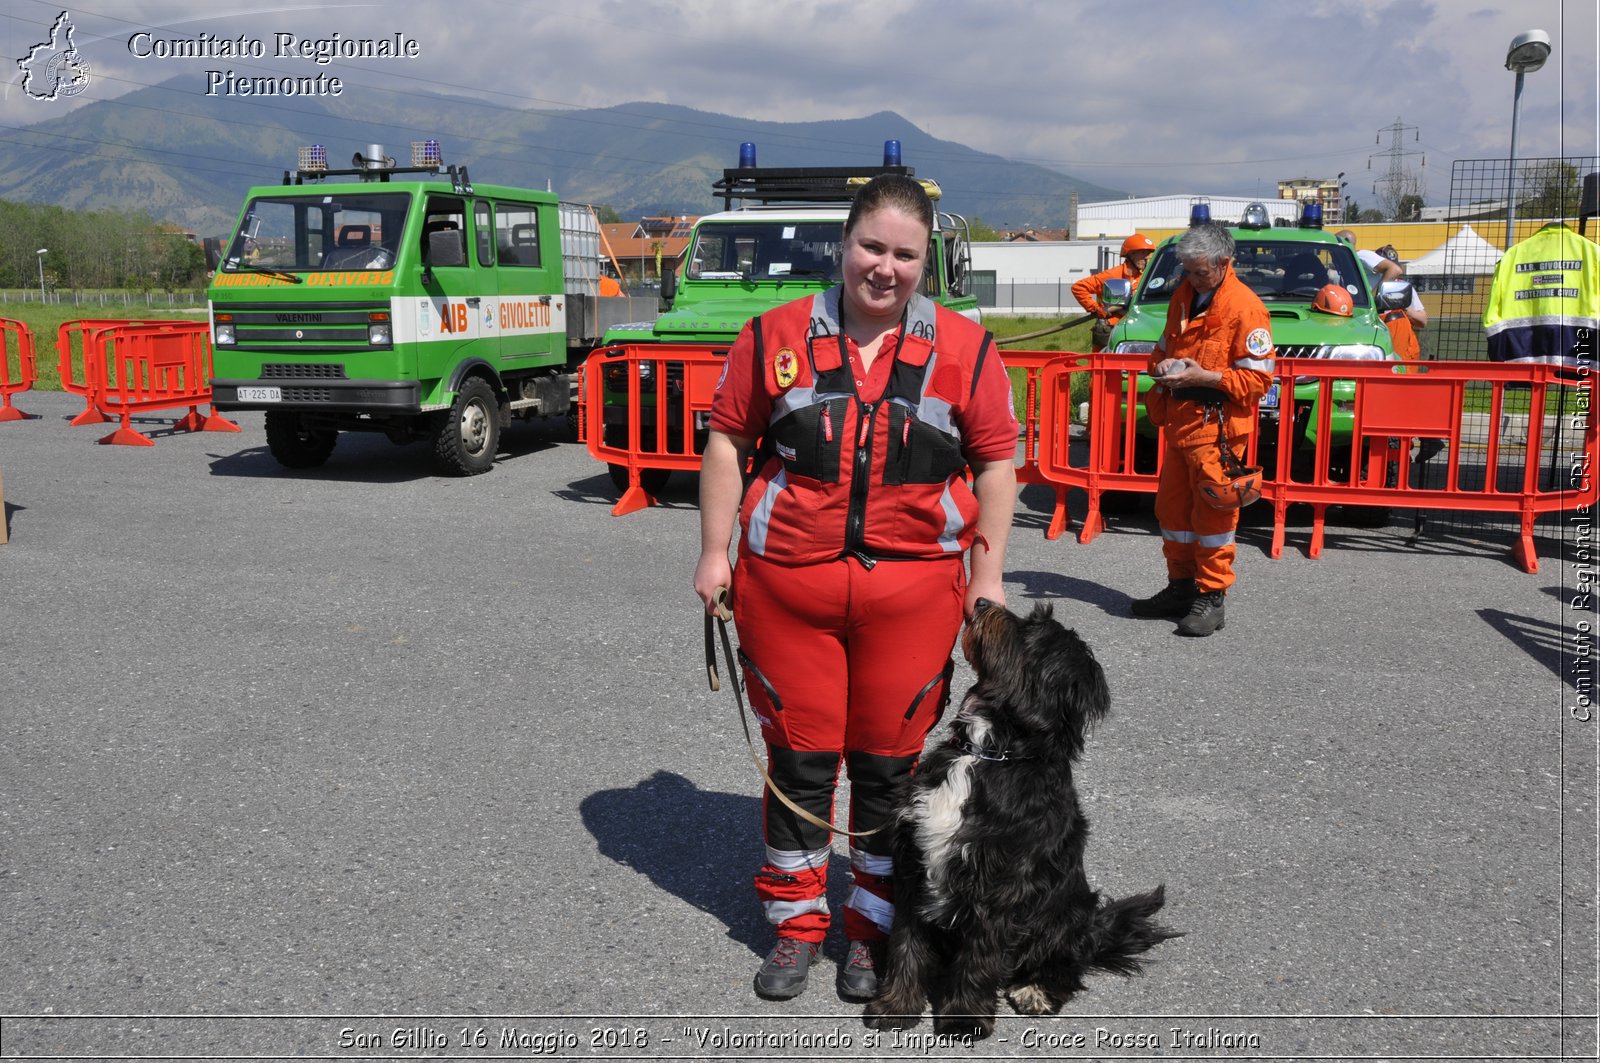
<point>1208,243</point>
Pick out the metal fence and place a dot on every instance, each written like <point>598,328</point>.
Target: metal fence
<point>124,297</point>
<point>1542,190</point>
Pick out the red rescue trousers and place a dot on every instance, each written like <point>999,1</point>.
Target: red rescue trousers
<point>1196,537</point>
<point>846,663</point>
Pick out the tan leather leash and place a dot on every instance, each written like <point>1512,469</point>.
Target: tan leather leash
<point>717,624</point>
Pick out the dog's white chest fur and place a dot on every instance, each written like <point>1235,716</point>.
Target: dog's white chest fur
<point>938,814</point>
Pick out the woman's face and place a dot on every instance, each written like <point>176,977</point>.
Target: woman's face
<point>884,257</point>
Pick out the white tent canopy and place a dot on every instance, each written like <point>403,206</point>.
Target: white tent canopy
<point>1465,253</point>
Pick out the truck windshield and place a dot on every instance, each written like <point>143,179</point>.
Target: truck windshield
<point>319,232</point>
<point>1279,271</point>
<point>765,250</point>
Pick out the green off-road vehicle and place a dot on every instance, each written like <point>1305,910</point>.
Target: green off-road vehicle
<point>1286,267</point>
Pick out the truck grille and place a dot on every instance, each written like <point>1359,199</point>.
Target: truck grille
<point>293,371</point>
<point>307,394</point>
<point>301,327</point>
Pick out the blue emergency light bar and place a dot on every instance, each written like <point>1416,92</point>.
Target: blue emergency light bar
<point>1311,215</point>
<point>891,153</point>
<point>1199,214</point>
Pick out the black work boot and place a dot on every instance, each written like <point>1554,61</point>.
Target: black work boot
<point>784,973</point>
<point>1205,615</point>
<point>1172,601</point>
<point>858,978</point>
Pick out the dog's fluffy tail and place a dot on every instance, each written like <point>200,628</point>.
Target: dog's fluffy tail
<point>1121,930</point>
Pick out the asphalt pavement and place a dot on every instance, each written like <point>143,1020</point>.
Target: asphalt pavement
<point>364,762</point>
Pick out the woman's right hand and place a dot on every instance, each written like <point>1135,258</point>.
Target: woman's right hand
<point>712,574</point>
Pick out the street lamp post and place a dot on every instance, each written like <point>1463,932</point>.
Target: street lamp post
<point>1527,53</point>
<point>41,253</point>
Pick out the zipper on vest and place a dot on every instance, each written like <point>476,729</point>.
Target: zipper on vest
<point>856,518</point>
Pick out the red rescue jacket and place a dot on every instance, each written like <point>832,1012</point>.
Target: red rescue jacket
<point>840,477</point>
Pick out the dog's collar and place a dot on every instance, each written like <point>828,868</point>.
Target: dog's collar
<point>983,753</point>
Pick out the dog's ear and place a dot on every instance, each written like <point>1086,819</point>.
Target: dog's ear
<point>1070,685</point>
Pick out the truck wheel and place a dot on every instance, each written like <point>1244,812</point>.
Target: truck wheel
<point>295,445</point>
<point>470,436</point>
<point>652,480</point>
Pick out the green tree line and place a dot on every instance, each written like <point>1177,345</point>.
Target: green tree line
<point>94,249</point>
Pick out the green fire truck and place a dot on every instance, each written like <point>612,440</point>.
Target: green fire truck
<point>401,300</point>
<point>1285,267</point>
<point>780,242</point>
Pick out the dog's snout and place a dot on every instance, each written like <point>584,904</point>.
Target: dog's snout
<point>981,604</point>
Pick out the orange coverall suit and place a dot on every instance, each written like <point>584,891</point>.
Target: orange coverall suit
<point>1087,292</point>
<point>1230,336</point>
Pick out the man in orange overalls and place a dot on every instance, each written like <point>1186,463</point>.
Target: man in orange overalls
<point>1136,250</point>
<point>1214,361</point>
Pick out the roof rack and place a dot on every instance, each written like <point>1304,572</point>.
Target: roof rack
<point>801,184</point>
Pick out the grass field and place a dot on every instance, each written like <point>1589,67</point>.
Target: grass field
<point>44,320</point>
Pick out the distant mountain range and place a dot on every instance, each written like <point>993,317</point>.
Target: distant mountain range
<point>187,158</point>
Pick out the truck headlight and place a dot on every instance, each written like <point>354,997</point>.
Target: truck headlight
<point>380,333</point>
<point>1356,352</point>
<point>224,336</point>
<point>1136,347</point>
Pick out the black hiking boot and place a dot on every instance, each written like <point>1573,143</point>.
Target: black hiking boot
<point>1171,601</point>
<point>1205,615</point>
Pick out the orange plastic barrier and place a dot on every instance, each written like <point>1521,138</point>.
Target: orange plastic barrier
<point>137,367</point>
<point>677,380</point>
<point>680,379</point>
<point>1426,401</point>
<point>1031,364</point>
<point>73,361</point>
<point>23,377</point>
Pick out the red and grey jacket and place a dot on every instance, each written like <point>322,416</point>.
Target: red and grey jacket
<point>839,476</point>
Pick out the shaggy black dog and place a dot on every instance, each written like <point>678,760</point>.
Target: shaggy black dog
<point>990,891</point>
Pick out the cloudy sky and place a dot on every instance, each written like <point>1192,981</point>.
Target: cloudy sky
<point>1221,97</point>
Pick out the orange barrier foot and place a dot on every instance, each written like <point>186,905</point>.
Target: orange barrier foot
<point>9,412</point>
<point>127,437</point>
<point>1058,518</point>
<point>1093,522</point>
<point>1319,515</point>
<point>633,499</point>
<point>189,422</point>
<point>1523,550</point>
<point>90,416</point>
<point>218,423</point>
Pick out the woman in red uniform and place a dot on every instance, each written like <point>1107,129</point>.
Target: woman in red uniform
<point>872,403</point>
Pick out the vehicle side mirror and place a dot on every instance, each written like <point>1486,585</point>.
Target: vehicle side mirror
<point>1117,294</point>
<point>1395,295</point>
<point>669,288</point>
